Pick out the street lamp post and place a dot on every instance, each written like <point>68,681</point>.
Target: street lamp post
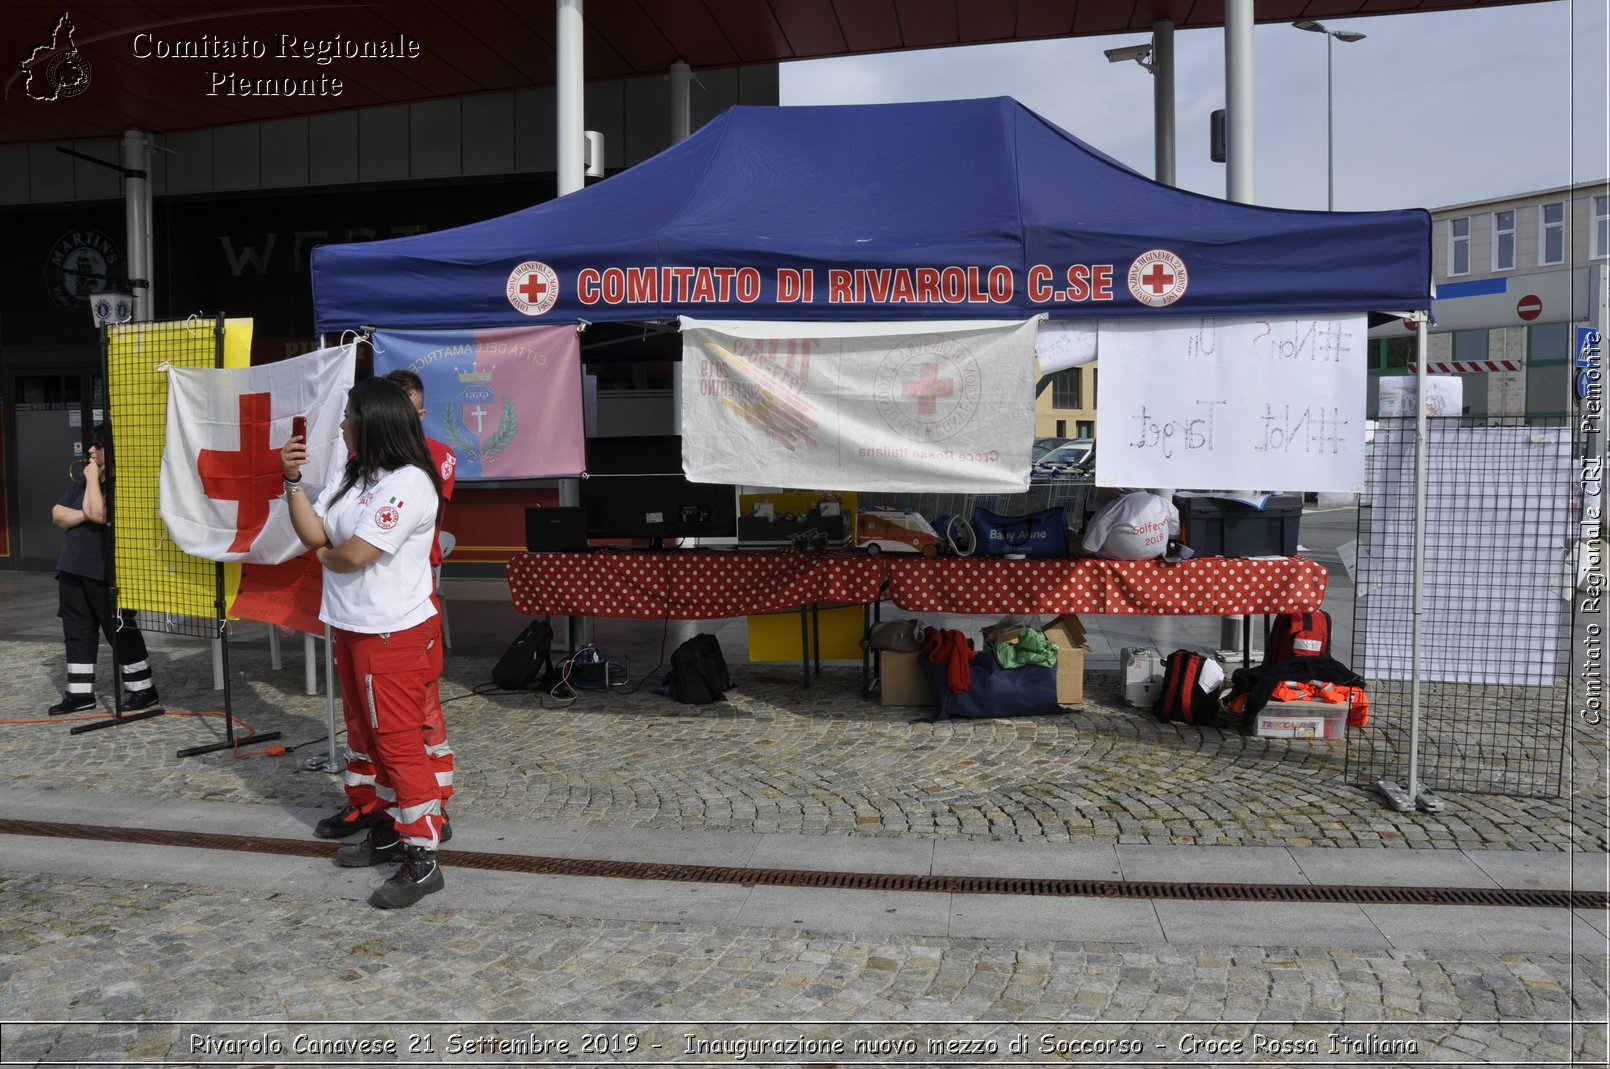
<point>1346,37</point>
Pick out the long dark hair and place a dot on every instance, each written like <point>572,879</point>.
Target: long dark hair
<point>385,435</point>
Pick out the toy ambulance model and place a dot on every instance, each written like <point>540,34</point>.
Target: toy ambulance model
<point>895,531</point>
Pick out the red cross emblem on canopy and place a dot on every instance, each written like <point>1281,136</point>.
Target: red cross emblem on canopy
<point>533,288</point>
<point>1157,278</point>
<point>249,476</point>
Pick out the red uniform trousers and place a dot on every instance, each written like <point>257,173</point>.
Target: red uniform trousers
<point>385,685</point>
<point>437,750</point>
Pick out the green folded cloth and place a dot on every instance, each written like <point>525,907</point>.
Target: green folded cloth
<point>1031,647</point>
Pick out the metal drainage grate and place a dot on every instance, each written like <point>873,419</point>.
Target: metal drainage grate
<point>862,881</point>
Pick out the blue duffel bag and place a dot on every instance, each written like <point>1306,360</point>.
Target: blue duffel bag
<point>1039,534</point>
<point>993,690</point>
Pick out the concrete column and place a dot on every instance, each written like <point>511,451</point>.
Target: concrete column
<point>137,220</point>
<point>570,95</point>
<point>1238,58</point>
<point>681,77</point>
<point>1163,100</point>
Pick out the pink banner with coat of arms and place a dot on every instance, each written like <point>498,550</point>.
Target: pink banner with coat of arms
<point>508,400</point>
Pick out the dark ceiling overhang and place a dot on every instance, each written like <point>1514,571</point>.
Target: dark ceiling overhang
<point>494,45</point>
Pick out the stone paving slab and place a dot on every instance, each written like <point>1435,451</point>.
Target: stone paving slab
<point>1441,868</point>
<point>1315,925</point>
<point>1475,928</point>
<point>1224,864</point>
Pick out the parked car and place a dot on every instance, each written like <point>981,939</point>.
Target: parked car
<point>1075,457</point>
<point>1072,451</point>
<point>1042,446</point>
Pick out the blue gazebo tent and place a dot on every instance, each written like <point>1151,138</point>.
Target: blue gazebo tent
<point>945,210</point>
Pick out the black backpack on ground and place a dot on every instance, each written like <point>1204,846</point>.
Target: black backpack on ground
<point>528,662</point>
<point>698,674</point>
<point>1182,697</point>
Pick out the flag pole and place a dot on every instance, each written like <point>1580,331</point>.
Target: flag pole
<point>222,642</point>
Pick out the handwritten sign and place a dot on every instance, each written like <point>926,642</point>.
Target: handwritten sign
<point>1272,404</point>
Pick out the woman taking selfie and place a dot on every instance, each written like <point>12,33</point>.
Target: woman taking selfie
<point>372,528</point>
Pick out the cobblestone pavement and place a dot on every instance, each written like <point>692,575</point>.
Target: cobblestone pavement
<point>778,758</point>
<point>200,958</point>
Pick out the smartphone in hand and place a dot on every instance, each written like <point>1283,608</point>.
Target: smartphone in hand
<point>299,428</point>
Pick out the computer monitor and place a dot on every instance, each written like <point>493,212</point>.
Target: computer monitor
<point>658,508</point>
<point>635,454</point>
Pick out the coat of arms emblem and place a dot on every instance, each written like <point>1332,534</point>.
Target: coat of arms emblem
<point>480,423</point>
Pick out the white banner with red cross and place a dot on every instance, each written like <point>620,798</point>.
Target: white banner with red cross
<point>917,407</point>
<point>221,494</point>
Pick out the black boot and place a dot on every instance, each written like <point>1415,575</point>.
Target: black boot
<point>416,877</point>
<point>349,820</point>
<point>72,703</point>
<point>139,699</point>
<point>381,846</point>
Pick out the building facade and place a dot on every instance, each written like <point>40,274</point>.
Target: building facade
<point>237,211</point>
<point>1515,277</point>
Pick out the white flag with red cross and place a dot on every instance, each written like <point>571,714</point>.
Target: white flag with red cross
<point>221,488</point>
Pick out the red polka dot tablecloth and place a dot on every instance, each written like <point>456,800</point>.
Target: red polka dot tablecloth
<point>721,584</point>
<point>1209,586</point>
<point>689,584</point>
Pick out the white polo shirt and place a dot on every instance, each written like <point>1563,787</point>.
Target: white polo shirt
<point>396,515</point>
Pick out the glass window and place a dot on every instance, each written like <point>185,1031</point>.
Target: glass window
<point>1601,227</point>
<point>1067,389</point>
<point>1547,391</point>
<point>1459,246</point>
<point>1551,233</point>
<point>1085,429</point>
<point>1399,353</point>
<point>1548,343</point>
<point>1504,240</point>
<point>1470,345</point>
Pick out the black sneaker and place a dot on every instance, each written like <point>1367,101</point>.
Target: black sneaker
<point>381,846</point>
<point>416,877</point>
<point>447,828</point>
<point>139,699</point>
<point>72,703</point>
<point>349,821</point>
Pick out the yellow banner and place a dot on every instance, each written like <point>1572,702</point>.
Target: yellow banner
<point>154,575</point>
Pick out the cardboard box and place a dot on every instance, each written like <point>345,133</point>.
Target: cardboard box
<point>1069,635</point>
<point>1143,675</point>
<point>900,680</point>
<point>1301,720</point>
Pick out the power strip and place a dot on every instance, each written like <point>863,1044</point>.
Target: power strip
<point>590,670</point>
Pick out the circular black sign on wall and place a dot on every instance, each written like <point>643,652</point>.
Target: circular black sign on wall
<point>79,264</point>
